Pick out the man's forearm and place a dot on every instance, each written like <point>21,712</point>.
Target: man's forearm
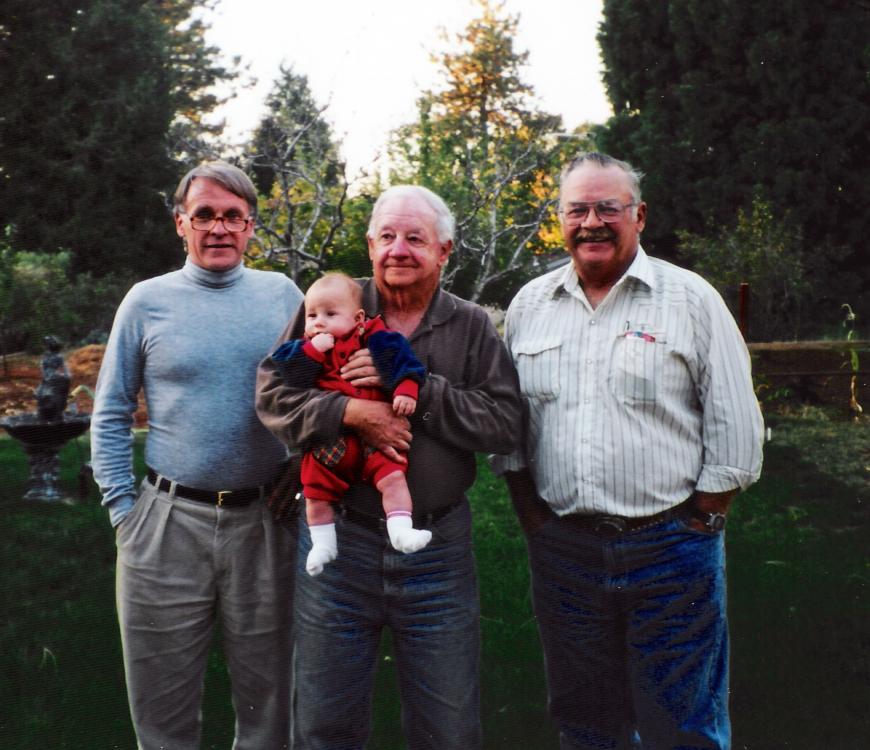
<point>714,502</point>
<point>486,419</point>
<point>296,415</point>
<point>112,452</point>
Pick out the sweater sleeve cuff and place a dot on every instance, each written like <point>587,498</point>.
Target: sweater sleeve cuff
<point>408,388</point>
<point>313,353</point>
<point>119,509</point>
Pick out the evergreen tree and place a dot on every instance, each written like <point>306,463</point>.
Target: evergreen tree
<point>90,89</point>
<point>484,147</point>
<point>719,101</point>
<point>193,65</point>
<point>297,169</point>
<point>194,72</point>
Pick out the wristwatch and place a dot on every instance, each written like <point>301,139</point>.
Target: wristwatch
<point>713,521</point>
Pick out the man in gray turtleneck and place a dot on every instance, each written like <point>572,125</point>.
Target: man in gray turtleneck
<point>197,532</point>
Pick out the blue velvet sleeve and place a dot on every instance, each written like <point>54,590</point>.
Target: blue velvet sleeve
<point>394,359</point>
<point>296,367</point>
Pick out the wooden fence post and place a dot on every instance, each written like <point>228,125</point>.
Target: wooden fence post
<point>744,308</point>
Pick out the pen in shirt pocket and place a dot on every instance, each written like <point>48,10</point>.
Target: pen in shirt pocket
<point>640,335</point>
<point>637,333</point>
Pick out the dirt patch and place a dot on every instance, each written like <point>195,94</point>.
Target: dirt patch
<point>85,363</point>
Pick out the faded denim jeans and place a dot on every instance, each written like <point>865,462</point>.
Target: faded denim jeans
<point>429,601</point>
<point>634,634</point>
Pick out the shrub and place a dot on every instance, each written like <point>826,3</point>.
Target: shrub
<point>39,296</point>
<point>767,254</point>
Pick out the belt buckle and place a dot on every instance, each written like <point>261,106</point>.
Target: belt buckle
<point>221,494</point>
<point>610,526</point>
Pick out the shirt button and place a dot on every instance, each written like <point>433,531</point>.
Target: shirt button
<point>588,361</point>
<point>592,322</point>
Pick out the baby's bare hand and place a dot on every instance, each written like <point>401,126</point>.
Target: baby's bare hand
<point>404,406</point>
<point>323,342</point>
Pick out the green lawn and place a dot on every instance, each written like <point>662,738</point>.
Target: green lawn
<point>797,585</point>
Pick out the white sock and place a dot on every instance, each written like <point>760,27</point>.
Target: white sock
<point>324,548</point>
<point>403,536</point>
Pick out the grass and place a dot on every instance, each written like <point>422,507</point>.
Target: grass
<point>798,575</point>
<point>798,570</point>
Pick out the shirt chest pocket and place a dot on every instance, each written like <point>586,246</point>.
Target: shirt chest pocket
<point>636,371</point>
<point>537,363</point>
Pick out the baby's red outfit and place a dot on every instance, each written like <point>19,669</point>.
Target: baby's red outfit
<point>327,471</point>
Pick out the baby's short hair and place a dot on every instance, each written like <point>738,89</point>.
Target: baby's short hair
<point>337,277</point>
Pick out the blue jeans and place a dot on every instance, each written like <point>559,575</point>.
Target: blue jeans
<point>428,599</point>
<point>634,634</point>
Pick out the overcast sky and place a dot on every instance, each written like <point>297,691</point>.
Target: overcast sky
<point>369,60</point>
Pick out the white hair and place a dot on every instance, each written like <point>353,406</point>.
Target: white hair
<point>445,224</point>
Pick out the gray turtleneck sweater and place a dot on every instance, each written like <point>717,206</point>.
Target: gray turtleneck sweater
<point>192,340</point>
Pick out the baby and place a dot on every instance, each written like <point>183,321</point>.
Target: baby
<point>335,327</point>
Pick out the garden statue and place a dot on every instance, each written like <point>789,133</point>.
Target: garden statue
<point>44,433</point>
<point>53,391</point>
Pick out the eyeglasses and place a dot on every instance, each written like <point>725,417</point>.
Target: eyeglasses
<point>608,211</point>
<point>205,223</point>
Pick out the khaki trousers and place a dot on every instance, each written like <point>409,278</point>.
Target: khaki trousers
<point>180,562</point>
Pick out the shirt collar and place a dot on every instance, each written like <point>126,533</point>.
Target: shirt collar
<point>641,269</point>
<point>441,307</point>
<point>214,279</point>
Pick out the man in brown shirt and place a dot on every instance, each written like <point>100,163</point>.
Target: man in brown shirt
<point>470,402</point>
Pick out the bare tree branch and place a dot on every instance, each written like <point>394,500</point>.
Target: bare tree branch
<point>301,177</point>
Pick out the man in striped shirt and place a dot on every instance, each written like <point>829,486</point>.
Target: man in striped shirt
<point>642,426</point>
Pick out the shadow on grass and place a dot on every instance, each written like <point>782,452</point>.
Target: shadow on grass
<point>798,604</point>
<point>798,589</point>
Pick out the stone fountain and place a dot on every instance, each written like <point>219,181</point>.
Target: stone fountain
<point>44,433</point>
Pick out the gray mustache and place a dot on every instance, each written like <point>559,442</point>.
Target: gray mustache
<point>580,238</point>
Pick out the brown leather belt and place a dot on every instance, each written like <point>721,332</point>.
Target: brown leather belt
<point>605,525</point>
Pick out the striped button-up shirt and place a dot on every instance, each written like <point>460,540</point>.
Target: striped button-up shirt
<point>637,403</point>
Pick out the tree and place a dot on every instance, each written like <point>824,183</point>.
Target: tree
<point>349,251</point>
<point>482,145</point>
<point>297,169</point>
<point>722,100</point>
<point>193,65</point>
<point>39,296</point>
<point>90,89</point>
<point>759,250</point>
<point>195,72</point>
